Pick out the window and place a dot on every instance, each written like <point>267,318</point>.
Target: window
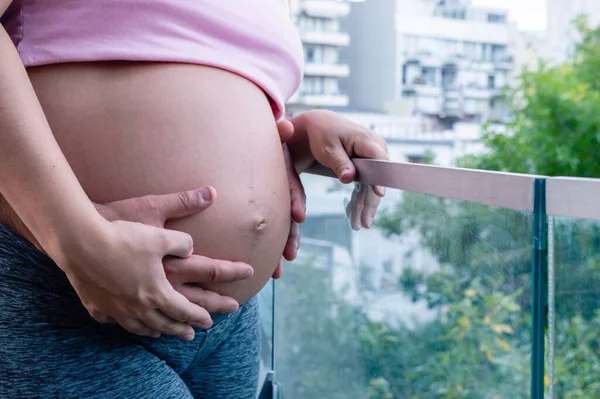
<point>498,52</point>
<point>496,18</point>
<point>470,50</point>
<point>313,54</point>
<point>312,85</point>
<point>429,76</point>
<point>313,24</point>
<point>491,82</point>
<point>416,158</point>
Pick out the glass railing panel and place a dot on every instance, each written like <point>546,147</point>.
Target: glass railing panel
<point>265,301</point>
<point>573,369</point>
<point>434,301</point>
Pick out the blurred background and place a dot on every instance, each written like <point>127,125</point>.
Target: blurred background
<point>435,300</point>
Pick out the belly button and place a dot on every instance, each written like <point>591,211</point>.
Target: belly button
<point>261,225</point>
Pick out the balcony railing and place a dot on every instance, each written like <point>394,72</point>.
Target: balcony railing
<point>471,284</point>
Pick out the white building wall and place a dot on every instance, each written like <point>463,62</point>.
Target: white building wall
<point>561,34</point>
<point>398,68</point>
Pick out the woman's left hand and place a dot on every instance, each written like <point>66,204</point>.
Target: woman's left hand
<point>297,197</point>
<point>331,140</point>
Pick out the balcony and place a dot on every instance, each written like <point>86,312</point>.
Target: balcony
<point>471,284</point>
<point>325,38</point>
<point>329,70</point>
<point>325,8</point>
<point>320,100</point>
<point>504,62</point>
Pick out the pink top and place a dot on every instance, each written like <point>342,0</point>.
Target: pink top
<point>253,38</point>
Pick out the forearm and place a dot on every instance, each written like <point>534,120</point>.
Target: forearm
<point>35,178</point>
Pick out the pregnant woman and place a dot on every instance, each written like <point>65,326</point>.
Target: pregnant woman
<point>119,102</point>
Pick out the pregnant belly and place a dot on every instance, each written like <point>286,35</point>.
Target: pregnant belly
<point>130,130</point>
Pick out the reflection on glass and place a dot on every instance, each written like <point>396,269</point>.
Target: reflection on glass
<point>577,309</point>
<point>265,302</point>
<point>434,302</point>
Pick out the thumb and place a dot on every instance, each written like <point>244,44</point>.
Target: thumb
<point>336,159</point>
<point>184,203</point>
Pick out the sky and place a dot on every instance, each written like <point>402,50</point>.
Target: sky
<point>528,14</point>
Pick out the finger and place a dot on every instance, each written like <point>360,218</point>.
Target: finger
<point>175,243</point>
<point>379,190</point>
<point>157,321</point>
<point>297,193</point>
<point>334,156</point>
<point>362,192</point>
<point>279,269</point>
<point>293,243</point>
<point>102,318</point>
<point>209,300</point>
<point>298,198</point>
<point>135,326</point>
<point>356,206</point>
<point>371,146</point>
<point>200,269</point>
<point>179,308</point>
<point>285,129</point>
<point>371,202</point>
<point>183,204</point>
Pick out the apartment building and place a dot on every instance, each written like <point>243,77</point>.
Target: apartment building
<point>319,22</point>
<point>443,59</point>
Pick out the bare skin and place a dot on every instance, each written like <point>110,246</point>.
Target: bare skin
<point>110,121</point>
<point>129,130</point>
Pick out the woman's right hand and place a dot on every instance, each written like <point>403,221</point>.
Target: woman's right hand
<point>119,274</point>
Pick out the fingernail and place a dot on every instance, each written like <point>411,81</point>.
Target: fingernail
<point>205,194</point>
<point>248,273</point>
<point>233,308</point>
<point>189,336</point>
<point>370,222</point>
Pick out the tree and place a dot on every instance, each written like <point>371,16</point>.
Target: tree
<point>555,126</point>
<point>479,347</point>
<point>485,252</point>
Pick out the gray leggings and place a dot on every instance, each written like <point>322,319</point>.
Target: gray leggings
<point>51,348</point>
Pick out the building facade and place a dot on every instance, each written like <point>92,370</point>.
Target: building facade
<point>561,33</point>
<point>319,22</point>
<point>446,60</point>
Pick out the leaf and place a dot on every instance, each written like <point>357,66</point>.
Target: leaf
<point>465,323</point>
<point>504,345</point>
<point>501,328</point>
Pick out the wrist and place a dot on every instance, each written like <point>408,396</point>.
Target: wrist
<point>68,240</point>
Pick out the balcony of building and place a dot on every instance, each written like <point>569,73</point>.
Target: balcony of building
<point>470,284</point>
<point>326,69</point>
<point>339,39</point>
<point>325,8</point>
<point>311,100</point>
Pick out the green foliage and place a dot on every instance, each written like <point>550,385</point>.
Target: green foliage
<point>555,130</point>
<point>481,348</point>
<point>479,345</point>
